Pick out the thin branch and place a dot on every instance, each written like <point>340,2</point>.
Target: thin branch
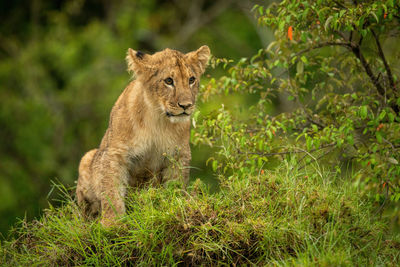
<point>320,125</point>
<point>360,41</point>
<point>274,153</point>
<point>386,198</point>
<point>324,44</point>
<point>287,152</point>
<point>342,35</point>
<point>340,5</point>
<point>382,55</point>
<point>301,159</point>
<point>321,156</point>
<point>387,141</point>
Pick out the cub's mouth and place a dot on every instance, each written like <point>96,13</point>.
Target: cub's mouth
<point>183,114</point>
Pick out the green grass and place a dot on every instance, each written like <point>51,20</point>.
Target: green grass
<point>281,217</point>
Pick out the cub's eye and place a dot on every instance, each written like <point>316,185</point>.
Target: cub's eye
<point>192,80</point>
<point>169,81</point>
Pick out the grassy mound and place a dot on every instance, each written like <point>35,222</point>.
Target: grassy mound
<point>282,217</point>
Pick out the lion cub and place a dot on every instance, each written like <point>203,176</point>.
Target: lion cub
<point>149,124</point>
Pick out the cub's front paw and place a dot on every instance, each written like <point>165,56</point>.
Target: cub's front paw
<point>112,222</point>
<point>108,222</point>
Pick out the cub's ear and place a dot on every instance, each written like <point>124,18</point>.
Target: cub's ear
<point>200,57</point>
<point>136,60</point>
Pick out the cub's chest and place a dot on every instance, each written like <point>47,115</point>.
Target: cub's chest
<point>153,151</point>
<point>152,159</point>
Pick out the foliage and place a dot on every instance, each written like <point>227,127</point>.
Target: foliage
<point>338,94</point>
<point>285,217</point>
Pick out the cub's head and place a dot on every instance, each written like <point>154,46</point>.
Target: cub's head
<point>170,79</point>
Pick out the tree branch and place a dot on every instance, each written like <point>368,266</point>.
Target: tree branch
<point>355,48</point>
<point>382,55</point>
<point>199,19</point>
<point>357,52</point>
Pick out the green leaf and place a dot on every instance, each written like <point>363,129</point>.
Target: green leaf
<point>317,142</point>
<point>303,36</point>
<point>309,142</point>
<point>378,136</point>
<point>269,133</point>
<point>281,25</point>
<point>350,139</point>
<point>339,142</point>
<point>364,32</point>
<point>363,112</point>
<point>315,128</point>
<point>382,115</point>
<point>327,22</point>
<point>373,14</point>
<point>300,67</point>
<point>214,165</point>
<point>390,117</point>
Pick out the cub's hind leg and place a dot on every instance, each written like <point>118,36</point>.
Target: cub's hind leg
<point>86,189</point>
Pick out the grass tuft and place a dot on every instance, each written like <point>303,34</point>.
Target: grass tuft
<point>282,217</point>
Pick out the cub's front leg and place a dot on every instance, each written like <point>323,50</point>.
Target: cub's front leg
<point>179,169</point>
<point>111,168</point>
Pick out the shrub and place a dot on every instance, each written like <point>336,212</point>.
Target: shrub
<point>336,90</point>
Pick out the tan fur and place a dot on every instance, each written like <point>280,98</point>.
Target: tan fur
<point>145,130</point>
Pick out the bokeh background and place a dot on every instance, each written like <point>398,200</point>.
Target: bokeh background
<point>62,68</point>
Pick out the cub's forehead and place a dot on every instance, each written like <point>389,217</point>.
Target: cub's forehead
<point>171,60</point>
<point>169,57</point>
<point>168,53</point>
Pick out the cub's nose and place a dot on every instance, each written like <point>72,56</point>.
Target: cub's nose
<point>185,104</point>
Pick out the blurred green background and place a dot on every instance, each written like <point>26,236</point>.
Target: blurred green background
<point>62,68</point>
